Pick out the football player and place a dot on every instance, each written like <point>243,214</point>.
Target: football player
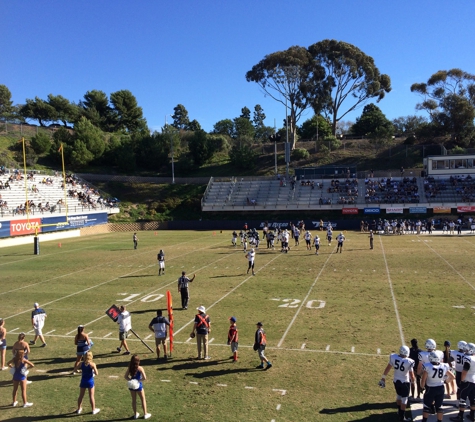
<point>467,389</point>
<point>403,377</point>
<point>458,356</point>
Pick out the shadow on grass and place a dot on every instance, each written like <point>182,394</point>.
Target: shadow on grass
<point>51,417</point>
<point>363,407</point>
<point>146,311</point>
<point>221,372</point>
<point>229,275</point>
<point>138,276</point>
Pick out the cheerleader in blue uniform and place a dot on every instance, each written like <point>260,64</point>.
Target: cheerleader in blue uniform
<point>19,368</point>
<point>89,371</point>
<point>135,374</point>
<point>83,344</point>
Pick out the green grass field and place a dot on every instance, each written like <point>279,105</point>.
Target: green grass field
<point>331,321</point>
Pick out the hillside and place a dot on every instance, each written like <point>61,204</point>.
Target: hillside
<point>172,202</point>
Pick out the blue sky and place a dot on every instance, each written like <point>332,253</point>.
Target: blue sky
<point>197,53</point>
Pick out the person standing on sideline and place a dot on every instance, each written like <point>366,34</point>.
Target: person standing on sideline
<point>161,262</point>
<point>134,375</point>
<point>83,345</point>
<point>340,239</point>
<point>38,317</point>
<point>260,345</point>
<point>467,385</point>
<point>183,289</point>
<point>251,255</point>
<point>136,240</point>
<point>202,328</point>
<point>159,326</point>
<point>21,364</point>
<point>3,344</point>
<point>88,372</point>
<point>316,242</point>
<point>458,356</point>
<point>371,239</point>
<point>414,355</point>
<point>403,377</point>
<point>125,325</point>
<point>233,339</point>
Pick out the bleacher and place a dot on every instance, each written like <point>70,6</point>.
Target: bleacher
<point>271,194</point>
<point>45,195</point>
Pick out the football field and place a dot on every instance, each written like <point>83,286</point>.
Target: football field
<point>331,321</point>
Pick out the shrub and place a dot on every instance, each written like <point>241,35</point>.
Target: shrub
<point>300,154</point>
<point>41,143</point>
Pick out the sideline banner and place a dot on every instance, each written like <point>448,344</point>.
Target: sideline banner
<point>466,208</point>
<point>21,227</point>
<point>372,210</point>
<point>75,221</point>
<point>441,210</point>
<point>349,210</point>
<point>417,210</point>
<point>394,210</point>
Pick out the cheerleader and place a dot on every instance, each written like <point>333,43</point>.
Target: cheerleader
<point>134,375</point>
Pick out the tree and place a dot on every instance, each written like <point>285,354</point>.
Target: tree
<point>6,103</point>
<point>449,98</point>
<point>381,136</point>
<point>245,113</point>
<point>41,143</point>
<point>180,117</point>
<point>243,157</point>
<point>80,155</point>
<point>129,115</point>
<point>153,151</point>
<point>344,126</point>
<point>91,136</point>
<point>408,125</point>
<point>258,117</point>
<point>243,128</point>
<point>38,109</point>
<point>194,125</point>
<point>308,130</point>
<point>65,111</point>
<point>224,127</point>
<point>371,119</point>
<point>350,76</point>
<point>291,78</point>
<point>95,107</point>
<point>201,149</point>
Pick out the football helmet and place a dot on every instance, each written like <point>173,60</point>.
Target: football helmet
<point>434,358</point>
<point>430,344</point>
<point>470,349</point>
<point>404,351</point>
<point>461,345</point>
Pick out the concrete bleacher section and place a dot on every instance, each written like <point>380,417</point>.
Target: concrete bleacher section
<point>46,196</point>
<point>268,193</point>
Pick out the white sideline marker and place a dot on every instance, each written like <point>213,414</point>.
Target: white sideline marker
<point>40,370</point>
<point>193,382</point>
<point>189,339</point>
<point>71,332</point>
<point>113,376</point>
<point>327,348</point>
<point>107,335</point>
<point>146,338</point>
<point>277,407</point>
<point>165,380</point>
<point>11,331</point>
<point>249,388</point>
<point>211,340</point>
<point>90,333</point>
<point>29,332</point>
<point>222,385</point>
<point>302,346</point>
<point>378,351</point>
<point>282,392</point>
<point>352,349</point>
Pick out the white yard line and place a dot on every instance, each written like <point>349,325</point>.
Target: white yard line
<point>304,301</point>
<point>398,319</point>
<point>231,291</point>
<point>111,280</point>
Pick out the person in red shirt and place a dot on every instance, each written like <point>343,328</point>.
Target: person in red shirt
<point>233,339</point>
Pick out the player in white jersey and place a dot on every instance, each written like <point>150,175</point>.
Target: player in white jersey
<point>467,387</point>
<point>329,235</point>
<point>458,356</point>
<point>403,376</point>
<point>308,240</point>
<point>251,255</point>
<point>340,239</point>
<point>316,243</point>
<point>424,356</point>
<point>434,375</point>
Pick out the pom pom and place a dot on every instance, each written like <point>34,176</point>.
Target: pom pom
<point>133,385</point>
